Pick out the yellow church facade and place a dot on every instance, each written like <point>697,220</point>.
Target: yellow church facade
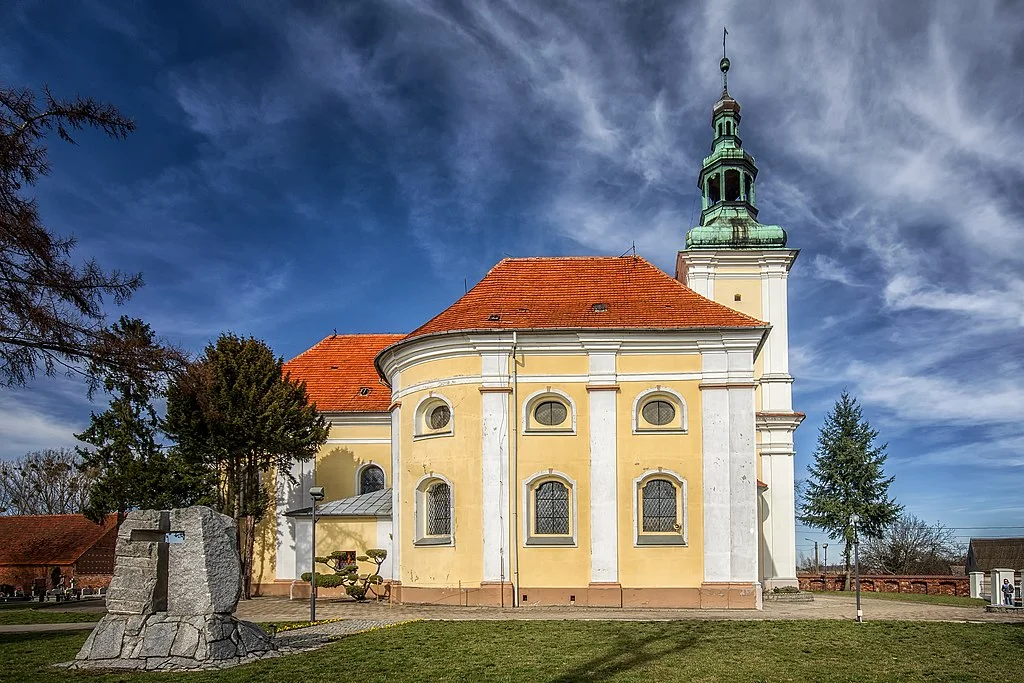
<point>587,431</point>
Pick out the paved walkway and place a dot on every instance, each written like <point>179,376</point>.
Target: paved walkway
<point>361,616</point>
<point>840,607</point>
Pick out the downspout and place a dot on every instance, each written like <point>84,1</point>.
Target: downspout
<point>514,478</point>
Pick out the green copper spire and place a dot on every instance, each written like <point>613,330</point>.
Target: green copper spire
<point>728,218</point>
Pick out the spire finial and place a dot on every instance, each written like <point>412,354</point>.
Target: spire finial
<point>724,64</point>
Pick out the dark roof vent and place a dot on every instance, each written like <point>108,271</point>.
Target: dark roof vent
<point>364,391</point>
<point>599,307</point>
<point>334,367</point>
<point>494,317</point>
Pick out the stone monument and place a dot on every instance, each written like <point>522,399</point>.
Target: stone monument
<point>177,580</point>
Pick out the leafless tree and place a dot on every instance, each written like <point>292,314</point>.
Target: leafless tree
<point>912,546</point>
<point>46,482</point>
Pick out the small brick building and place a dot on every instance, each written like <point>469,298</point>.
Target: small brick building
<point>40,549</point>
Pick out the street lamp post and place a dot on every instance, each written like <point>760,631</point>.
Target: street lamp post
<point>824,546</point>
<point>854,519</point>
<point>316,493</point>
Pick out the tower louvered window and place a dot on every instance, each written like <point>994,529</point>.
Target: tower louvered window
<point>439,510</point>
<point>659,499</point>
<point>551,508</point>
<point>371,479</point>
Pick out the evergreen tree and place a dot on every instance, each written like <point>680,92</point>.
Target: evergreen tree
<point>237,412</point>
<point>847,477</point>
<point>133,470</point>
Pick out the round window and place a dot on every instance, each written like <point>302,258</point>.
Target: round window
<point>439,417</point>
<point>550,413</point>
<point>659,412</point>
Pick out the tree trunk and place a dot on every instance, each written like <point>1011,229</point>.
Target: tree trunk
<point>846,559</point>
<point>249,523</point>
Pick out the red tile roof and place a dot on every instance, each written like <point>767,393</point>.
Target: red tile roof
<point>339,367</point>
<point>560,293</point>
<point>48,539</point>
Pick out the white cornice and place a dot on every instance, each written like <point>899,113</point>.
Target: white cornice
<point>360,419</point>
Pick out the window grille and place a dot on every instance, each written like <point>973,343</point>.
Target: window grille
<point>440,416</point>
<point>550,413</point>
<point>659,506</point>
<point>659,412</point>
<point>371,479</point>
<point>551,508</point>
<point>439,510</point>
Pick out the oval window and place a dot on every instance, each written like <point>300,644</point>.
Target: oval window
<point>550,413</point>
<point>440,416</point>
<point>659,412</point>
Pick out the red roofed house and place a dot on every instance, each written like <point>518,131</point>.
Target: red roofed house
<point>586,431</point>
<point>40,549</point>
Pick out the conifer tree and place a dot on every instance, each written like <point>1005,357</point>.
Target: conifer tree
<point>132,468</point>
<point>847,477</point>
<point>51,300</point>
<point>237,412</point>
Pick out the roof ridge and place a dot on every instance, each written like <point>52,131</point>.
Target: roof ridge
<point>314,347</point>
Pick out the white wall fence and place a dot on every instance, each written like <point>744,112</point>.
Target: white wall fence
<point>982,583</point>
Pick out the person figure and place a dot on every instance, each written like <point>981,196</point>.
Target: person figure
<point>1007,589</point>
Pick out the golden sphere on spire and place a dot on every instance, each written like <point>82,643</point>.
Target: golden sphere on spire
<point>724,64</point>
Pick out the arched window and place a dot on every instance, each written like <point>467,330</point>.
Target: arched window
<point>714,190</point>
<point>550,514</point>
<point>434,511</point>
<point>433,417</point>
<point>551,508</point>
<point>732,185</point>
<point>371,478</point>
<point>439,503</point>
<point>659,410</point>
<point>728,128</point>
<point>549,411</point>
<point>659,506</point>
<point>660,509</point>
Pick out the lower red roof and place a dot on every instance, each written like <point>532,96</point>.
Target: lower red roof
<point>49,539</point>
<point>340,375</point>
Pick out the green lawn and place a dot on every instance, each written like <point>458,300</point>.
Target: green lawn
<point>45,616</point>
<point>950,600</point>
<point>561,651</point>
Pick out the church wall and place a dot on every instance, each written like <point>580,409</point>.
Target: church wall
<point>346,533</point>
<point>338,463</point>
<point>442,369</point>
<point>569,455</point>
<point>660,566</point>
<point>657,364</point>
<point>455,457</point>
<point>532,365</point>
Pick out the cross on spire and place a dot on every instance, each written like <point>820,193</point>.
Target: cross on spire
<point>724,64</point>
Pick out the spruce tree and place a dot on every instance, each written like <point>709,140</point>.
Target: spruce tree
<point>847,477</point>
<point>132,467</point>
<point>236,411</point>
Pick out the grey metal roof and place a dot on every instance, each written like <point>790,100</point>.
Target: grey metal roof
<point>376,504</point>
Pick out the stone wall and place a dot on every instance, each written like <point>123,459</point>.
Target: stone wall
<point>887,583</point>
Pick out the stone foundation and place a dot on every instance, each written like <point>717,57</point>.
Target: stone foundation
<point>160,641</point>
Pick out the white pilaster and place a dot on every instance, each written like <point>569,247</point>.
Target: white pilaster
<point>384,541</point>
<point>289,497</point>
<point>604,526</point>
<point>742,485</point>
<point>715,449</point>
<point>495,433</point>
<point>396,481</point>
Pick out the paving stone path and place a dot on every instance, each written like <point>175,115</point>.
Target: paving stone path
<point>313,637</point>
<point>839,607</point>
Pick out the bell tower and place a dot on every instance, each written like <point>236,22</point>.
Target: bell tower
<point>733,259</point>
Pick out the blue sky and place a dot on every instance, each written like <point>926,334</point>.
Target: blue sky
<point>305,167</point>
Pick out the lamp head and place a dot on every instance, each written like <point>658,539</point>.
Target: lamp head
<point>316,493</point>
<point>854,519</point>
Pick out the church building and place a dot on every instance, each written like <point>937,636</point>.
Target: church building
<point>587,431</point>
